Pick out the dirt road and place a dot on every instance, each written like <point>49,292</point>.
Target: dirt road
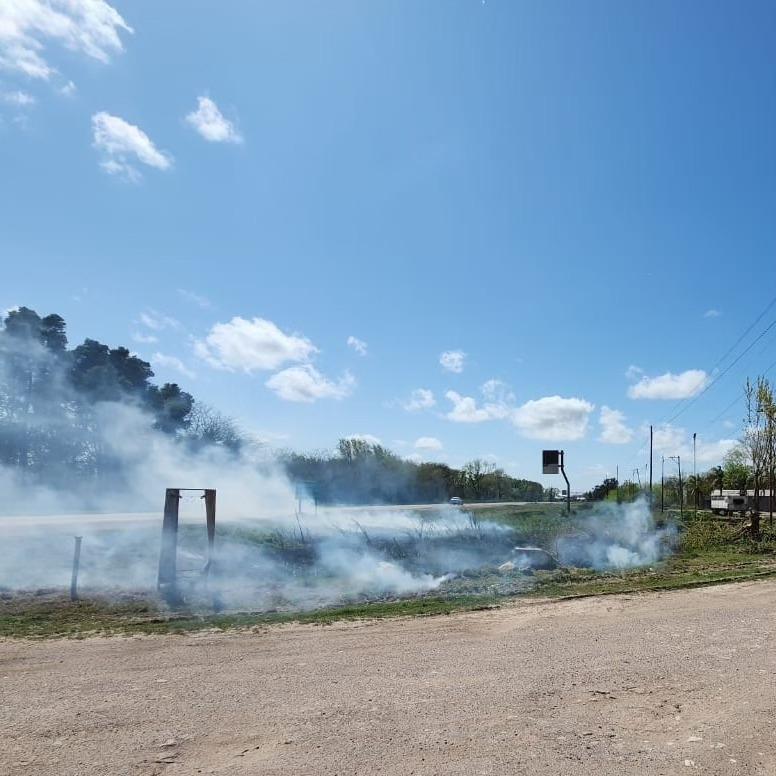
<point>668,683</point>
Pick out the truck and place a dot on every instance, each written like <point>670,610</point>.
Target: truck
<point>728,505</point>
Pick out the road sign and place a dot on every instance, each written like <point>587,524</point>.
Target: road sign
<point>550,461</point>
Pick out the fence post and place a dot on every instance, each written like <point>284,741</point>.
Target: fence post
<point>169,548</point>
<point>76,564</point>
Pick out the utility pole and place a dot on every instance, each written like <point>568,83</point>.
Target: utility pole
<point>662,483</point>
<point>694,474</point>
<point>650,467</point>
<point>678,460</point>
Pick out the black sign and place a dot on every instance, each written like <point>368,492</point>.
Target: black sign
<point>550,461</point>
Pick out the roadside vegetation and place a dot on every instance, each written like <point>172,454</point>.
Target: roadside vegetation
<point>708,551</point>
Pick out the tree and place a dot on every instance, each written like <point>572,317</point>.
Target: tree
<point>601,492</point>
<point>697,488</point>
<point>755,439</point>
<point>172,408</point>
<point>31,354</point>
<point>736,471</point>
<point>716,478</point>
<point>206,426</point>
<point>476,471</point>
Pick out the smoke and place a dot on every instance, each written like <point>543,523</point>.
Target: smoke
<point>142,462</point>
<point>617,536</point>
<point>268,556</point>
<point>287,562</point>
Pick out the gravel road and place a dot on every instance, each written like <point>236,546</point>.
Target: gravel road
<point>668,683</point>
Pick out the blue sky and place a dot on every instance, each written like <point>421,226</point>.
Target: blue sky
<point>559,191</point>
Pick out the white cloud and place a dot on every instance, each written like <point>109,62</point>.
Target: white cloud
<point>157,321</point>
<point>498,404</point>
<point>452,360</point>
<point>497,391</point>
<point>68,90</point>
<point>667,439</point>
<point>89,27</point>
<point>553,418</point>
<point>171,362</point>
<point>306,384</point>
<point>466,410</point>
<point>370,439</point>
<point>712,313</point>
<point>18,98</point>
<point>420,399</point>
<point>358,345</point>
<point>633,372</point>
<point>208,120</point>
<point>144,339</point>
<point>670,386</point>
<point>673,440</point>
<point>713,453</point>
<point>428,444</point>
<point>197,299</point>
<point>121,144</point>
<point>253,345</point>
<point>613,428</point>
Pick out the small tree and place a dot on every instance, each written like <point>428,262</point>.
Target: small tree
<point>476,471</point>
<point>755,439</point>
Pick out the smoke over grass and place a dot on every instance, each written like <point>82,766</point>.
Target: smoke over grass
<point>299,562</point>
<point>89,442</point>
<point>617,536</point>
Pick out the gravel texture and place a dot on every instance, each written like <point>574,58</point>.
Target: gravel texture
<point>670,683</point>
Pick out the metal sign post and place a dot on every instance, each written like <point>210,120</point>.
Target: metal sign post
<point>568,487</point>
<point>552,463</point>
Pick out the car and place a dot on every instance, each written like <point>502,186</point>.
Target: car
<point>455,501</point>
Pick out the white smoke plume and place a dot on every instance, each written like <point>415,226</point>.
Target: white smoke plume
<point>267,555</point>
<point>617,536</point>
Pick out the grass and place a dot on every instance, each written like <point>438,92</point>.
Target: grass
<point>708,552</point>
<point>55,616</point>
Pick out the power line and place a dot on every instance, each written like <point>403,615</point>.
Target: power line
<point>724,371</point>
<point>684,404</point>
<point>735,401</point>
<point>721,360</point>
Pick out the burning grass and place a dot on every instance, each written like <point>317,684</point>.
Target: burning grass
<point>306,574</point>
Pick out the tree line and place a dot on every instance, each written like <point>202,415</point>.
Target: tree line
<point>360,472</point>
<point>50,427</point>
<point>54,426</point>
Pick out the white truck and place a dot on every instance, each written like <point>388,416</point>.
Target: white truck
<point>727,505</point>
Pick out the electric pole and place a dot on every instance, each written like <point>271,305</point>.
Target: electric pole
<point>694,474</point>
<point>662,483</point>
<point>650,467</point>
<point>678,460</point>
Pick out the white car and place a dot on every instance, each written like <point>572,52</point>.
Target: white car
<point>455,501</point>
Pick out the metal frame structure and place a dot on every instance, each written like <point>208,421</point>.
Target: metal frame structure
<point>168,553</point>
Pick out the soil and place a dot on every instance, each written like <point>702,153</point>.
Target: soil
<point>661,683</point>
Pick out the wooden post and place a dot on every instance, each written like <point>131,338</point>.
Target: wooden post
<point>210,517</point>
<point>76,564</point>
<point>169,549</point>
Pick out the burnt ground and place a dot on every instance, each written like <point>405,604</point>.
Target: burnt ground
<point>661,683</point>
